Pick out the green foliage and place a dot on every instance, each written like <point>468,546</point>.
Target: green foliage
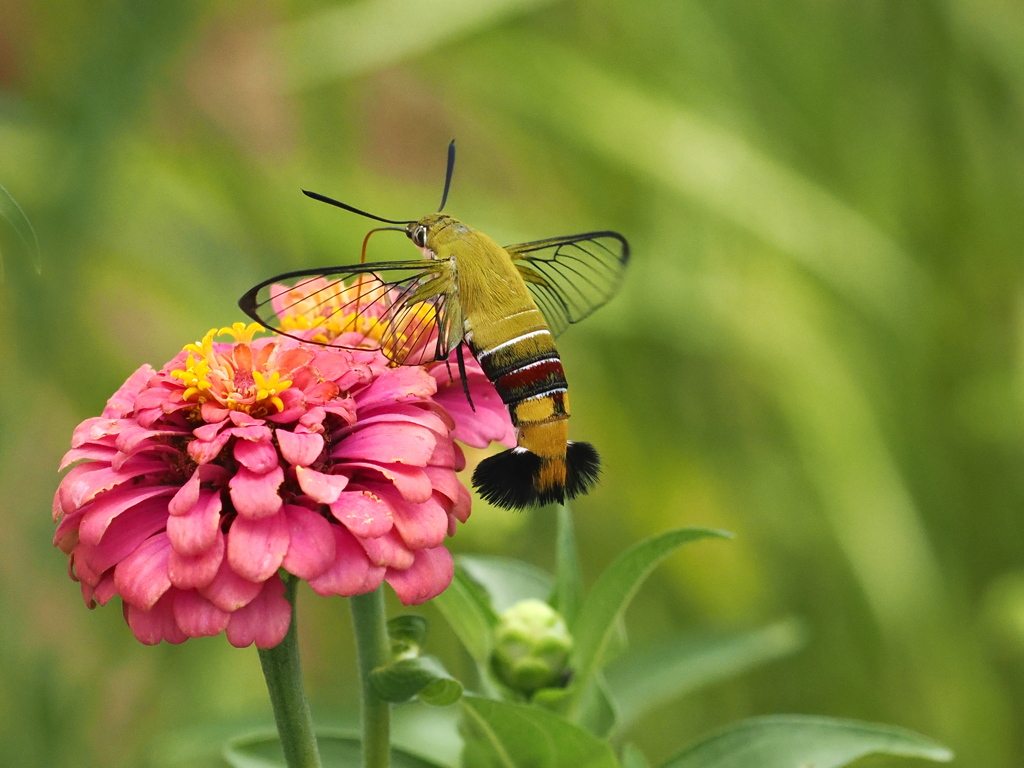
<point>788,740</point>
<point>818,345</point>
<point>606,603</point>
<point>570,726</point>
<point>501,734</point>
<point>11,212</point>
<point>643,681</point>
<point>337,750</point>
<point>423,677</point>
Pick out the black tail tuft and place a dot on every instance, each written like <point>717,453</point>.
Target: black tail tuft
<point>511,479</point>
<point>507,479</point>
<point>583,465</point>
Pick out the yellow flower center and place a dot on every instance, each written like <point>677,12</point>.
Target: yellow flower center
<point>228,377</point>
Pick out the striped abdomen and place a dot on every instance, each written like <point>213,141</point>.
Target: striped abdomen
<point>527,373</point>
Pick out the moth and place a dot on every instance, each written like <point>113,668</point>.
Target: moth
<point>506,305</point>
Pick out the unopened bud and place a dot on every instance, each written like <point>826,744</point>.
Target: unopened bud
<point>531,647</point>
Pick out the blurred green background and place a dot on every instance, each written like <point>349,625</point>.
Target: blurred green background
<point>819,346</point>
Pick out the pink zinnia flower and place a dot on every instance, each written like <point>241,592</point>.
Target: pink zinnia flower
<point>201,482</point>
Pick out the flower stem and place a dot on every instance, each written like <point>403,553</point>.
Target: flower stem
<point>374,650</point>
<point>283,672</point>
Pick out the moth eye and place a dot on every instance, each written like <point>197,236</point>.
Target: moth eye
<point>419,237</point>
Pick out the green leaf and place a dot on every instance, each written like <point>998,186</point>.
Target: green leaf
<point>423,676</point>
<point>785,741</point>
<point>338,749</point>
<point>467,609</point>
<point>640,682</point>
<point>11,211</point>
<point>598,709</point>
<point>633,758</point>
<point>568,592</point>
<point>507,581</point>
<point>499,734</point>
<point>407,634</point>
<point>348,39</point>
<point>594,629</point>
<point>432,732</point>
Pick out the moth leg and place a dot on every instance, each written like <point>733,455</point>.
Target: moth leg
<point>462,375</point>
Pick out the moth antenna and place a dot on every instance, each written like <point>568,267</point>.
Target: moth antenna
<point>448,175</point>
<point>351,209</point>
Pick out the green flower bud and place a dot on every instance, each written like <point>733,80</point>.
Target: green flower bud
<point>531,647</point>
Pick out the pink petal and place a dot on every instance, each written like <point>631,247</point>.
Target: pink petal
<point>414,413</point>
<point>196,616</point>
<point>428,577</point>
<point>391,443</point>
<point>490,421</point>
<point>205,451</point>
<point>296,357</point>
<point>363,512</point>
<point>79,567</point>
<point>94,430</point>
<point>195,532</point>
<point>445,481</point>
<point>255,495</point>
<point>462,506</point>
<point>133,438</point>
<point>244,421</point>
<point>397,385</point>
<point>106,589</point>
<point>256,548</point>
<point>141,577</point>
<point>126,534</point>
<point>421,526</point>
<point>260,456</point>
<point>229,591</point>
<point>333,364</point>
<point>152,626</point>
<point>344,409</point>
<point>91,451</point>
<point>188,572</point>
<point>388,550</point>
<point>88,595</point>
<point>294,406</point>
<point>107,506</point>
<point>321,488</point>
<point>264,621</point>
<point>298,449</point>
<point>352,573</point>
<point>122,402</point>
<point>154,398</point>
<point>313,419</point>
<point>311,548</point>
<point>85,481</point>
<point>212,413</point>
<point>447,454</point>
<point>65,538</point>
<point>208,432</point>
<point>412,482</point>
<point>186,496</point>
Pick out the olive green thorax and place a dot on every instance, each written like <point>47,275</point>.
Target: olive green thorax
<point>489,285</point>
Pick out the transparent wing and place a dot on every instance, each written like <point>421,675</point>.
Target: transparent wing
<point>572,276</point>
<point>402,308</point>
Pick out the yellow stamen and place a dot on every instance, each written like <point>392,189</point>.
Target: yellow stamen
<point>241,332</point>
